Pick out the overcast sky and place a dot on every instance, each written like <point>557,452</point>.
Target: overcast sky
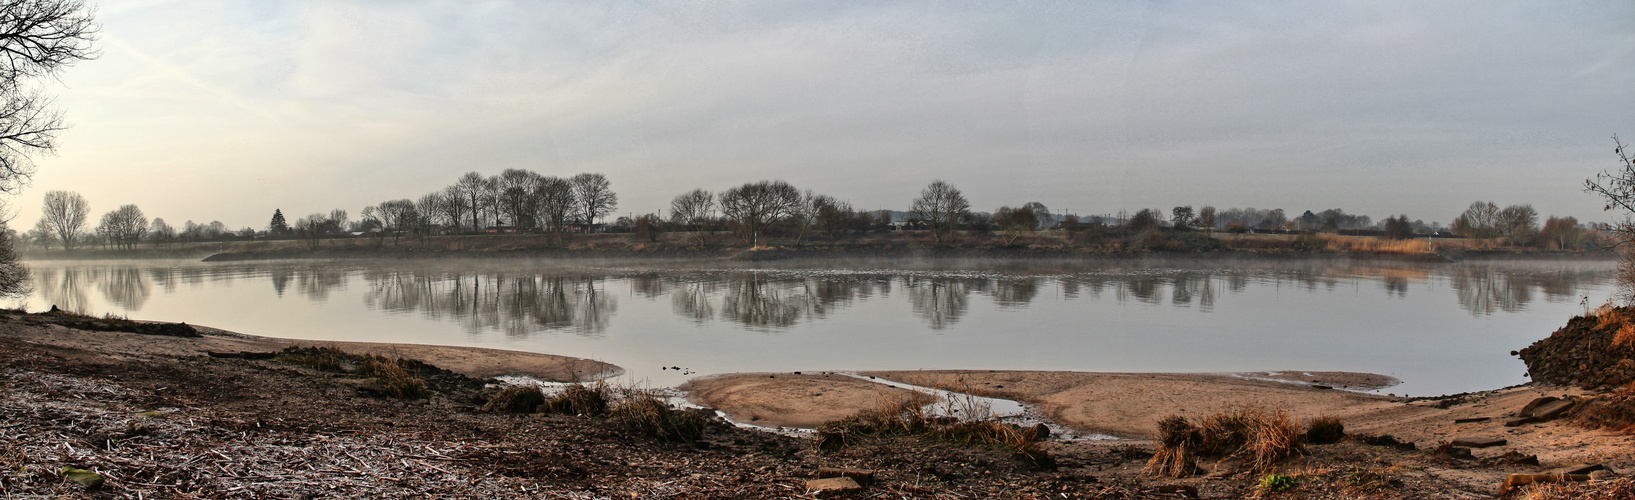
<point>224,111</point>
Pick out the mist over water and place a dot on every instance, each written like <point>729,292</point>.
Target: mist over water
<point>1442,328</point>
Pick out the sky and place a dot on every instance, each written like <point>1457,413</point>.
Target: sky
<point>211,110</point>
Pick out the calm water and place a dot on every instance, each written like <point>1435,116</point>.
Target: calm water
<point>1441,328</point>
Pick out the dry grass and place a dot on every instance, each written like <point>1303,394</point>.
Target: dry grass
<point>1261,437</point>
<point>395,381</point>
<point>1325,430</point>
<point>646,413</point>
<point>907,417</point>
<point>516,399</point>
<point>1614,412</point>
<point>1616,489</point>
<point>580,399</point>
<point>1369,244</point>
<point>1175,454</point>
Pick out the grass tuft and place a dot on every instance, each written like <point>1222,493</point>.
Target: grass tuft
<point>1325,430</point>
<point>516,399</point>
<point>580,399</point>
<point>395,381</point>
<point>1261,437</point>
<point>646,413</point>
<point>327,359</point>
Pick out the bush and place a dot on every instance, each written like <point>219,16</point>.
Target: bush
<point>644,413</point>
<point>1261,437</point>
<point>1325,430</point>
<point>516,399</point>
<point>579,399</point>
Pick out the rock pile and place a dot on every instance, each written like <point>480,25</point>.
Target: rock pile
<point>1592,351</point>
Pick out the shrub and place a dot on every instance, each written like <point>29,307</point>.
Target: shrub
<point>1325,430</point>
<point>1261,437</point>
<point>645,413</point>
<point>516,399</point>
<point>394,380</point>
<point>579,399</point>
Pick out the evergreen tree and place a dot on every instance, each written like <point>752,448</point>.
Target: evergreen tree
<point>278,225</point>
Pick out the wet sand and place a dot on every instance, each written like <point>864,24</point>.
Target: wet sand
<point>786,399</point>
<point>1129,405</point>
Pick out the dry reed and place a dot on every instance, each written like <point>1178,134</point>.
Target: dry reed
<point>1369,244</point>
<point>907,417</point>
<point>516,399</point>
<point>1325,430</point>
<point>1261,437</point>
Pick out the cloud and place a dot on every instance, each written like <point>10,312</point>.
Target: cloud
<point>1375,108</point>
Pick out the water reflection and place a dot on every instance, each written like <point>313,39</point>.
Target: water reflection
<point>514,304</point>
<point>520,301</point>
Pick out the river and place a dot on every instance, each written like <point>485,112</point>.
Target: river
<point>1440,328</point>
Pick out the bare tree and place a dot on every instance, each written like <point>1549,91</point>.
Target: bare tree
<point>756,205</point>
<point>428,208</point>
<point>37,39</point>
<point>1617,187</point>
<point>124,227</point>
<point>1480,221</point>
<point>517,196</point>
<point>1042,213</point>
<point>397,217</point>
<point>834,217</point>
<point>556,205</point>
<point>65,212</point>
<point>941,206</point>
<point>471,188</point>
<point>1206,218</point>
<point>693,210</point>
<point>454,205</point>
<point>161,233</point>
<point>311,228</point>
<point>1517,223</point>
<point>595,196</point>
<point>1014,222</point>
<point>43,234</point>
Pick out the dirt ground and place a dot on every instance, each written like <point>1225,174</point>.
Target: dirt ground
<point>156,418</point>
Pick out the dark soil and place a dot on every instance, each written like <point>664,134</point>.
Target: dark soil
<point>1584,353</point>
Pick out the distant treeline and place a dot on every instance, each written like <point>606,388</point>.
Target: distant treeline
<point>521,201</point>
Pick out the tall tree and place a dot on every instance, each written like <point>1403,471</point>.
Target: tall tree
<point>595,196</point>
<point>693,210</point>
<point>756,205</point>
<point>941,206</point>
<point>1617,188</point>
<point>65,212</point>
<point>556,205</point>
<point>471,188</point>
<point>124,227</point>
<point>278,226</point>
<point>1014,222</point>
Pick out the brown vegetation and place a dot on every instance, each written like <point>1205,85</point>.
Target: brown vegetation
<point>1260,437</point>
<point>908,418</point>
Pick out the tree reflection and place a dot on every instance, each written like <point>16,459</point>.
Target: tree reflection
<point>1015,292</point>
<point>65,288</point>
<point>939,301</point>
<point>515,305</point>
<point>757,302</point>
<point>124,287</point>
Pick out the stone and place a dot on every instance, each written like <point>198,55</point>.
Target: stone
<point>1039,432</point>
<point>1519,480</point>
<point>864,478</point>
<point>832,486</point>
<point>1518,422</point>
<point>1471,420</point>
<point>1553,409</point>
<point>1527,411</point>
<point>90,480</point>
<point>1478,442</point>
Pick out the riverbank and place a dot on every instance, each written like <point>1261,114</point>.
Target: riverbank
<point>906,245</point>
<point>157,416</point>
